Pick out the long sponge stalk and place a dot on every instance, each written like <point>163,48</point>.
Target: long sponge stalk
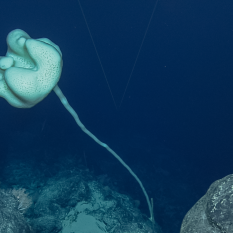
<point>64,101</point>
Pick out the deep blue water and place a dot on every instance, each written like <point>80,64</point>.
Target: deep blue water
<point>174,126</point>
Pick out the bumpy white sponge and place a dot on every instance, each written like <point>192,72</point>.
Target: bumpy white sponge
<point>30,69</point>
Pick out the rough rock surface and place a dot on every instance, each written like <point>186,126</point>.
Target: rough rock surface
<point>213,213</point>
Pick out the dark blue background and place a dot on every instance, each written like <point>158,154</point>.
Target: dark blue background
<point>179,102</point>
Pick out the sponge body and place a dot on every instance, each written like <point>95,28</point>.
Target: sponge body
<point>30,69</point>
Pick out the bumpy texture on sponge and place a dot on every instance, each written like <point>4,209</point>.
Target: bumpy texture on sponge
<point>30,70</point>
